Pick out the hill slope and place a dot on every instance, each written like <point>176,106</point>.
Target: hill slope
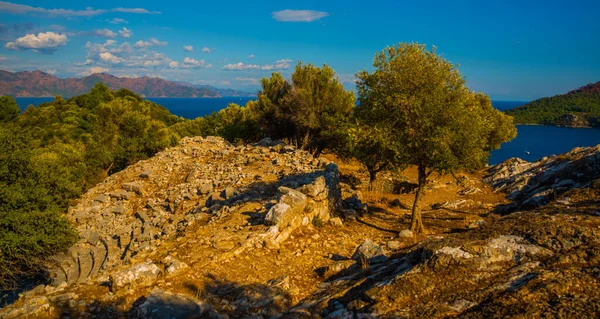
<point>578,108</point>
<point>38,83</point>
<point>207,229</point>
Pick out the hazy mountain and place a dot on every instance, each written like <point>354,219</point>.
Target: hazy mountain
<point>38,84</point>
<point>222,92</point>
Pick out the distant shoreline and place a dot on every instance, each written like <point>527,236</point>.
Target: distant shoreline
<point>557,126</point>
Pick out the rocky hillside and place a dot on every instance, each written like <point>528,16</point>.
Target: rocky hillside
<point>38,83</point>
<point>207,229</point>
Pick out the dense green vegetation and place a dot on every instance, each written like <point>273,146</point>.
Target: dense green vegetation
<point>54,152</point>
<point>414,110</point>
<point>584,103</point>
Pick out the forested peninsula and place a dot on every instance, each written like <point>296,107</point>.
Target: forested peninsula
<point>577,108</point>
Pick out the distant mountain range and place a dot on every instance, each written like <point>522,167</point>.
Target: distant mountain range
<point>222,92</point>
<point>577,108</point>
<point>41,84</point>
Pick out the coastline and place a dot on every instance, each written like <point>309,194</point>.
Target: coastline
<point>590,127</point>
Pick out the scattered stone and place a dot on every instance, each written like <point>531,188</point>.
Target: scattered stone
<point>206,188</point>
<point>336,221</point>
<point>102,198</point>
<point>405,233</point>
<point>143,274</point>
<point>146,174</point>
<point>133,187</point>
<point>393,244</point>
<point>174,265</point>
<point>162,304</point>
<point>228,192</point>
<point>369,252</point>
<point>476,224</point>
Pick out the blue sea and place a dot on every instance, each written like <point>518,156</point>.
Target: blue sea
<point>537,140</point>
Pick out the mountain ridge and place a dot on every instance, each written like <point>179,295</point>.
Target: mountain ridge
<point>222,92</point>
<point>40,84</point>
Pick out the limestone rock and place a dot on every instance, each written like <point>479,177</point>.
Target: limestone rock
<point>133,187</point>
<point>405,233</point>
<point>174,266</point>
<point>143,274</point>
<point>336,221</point>
<point>369,252</point>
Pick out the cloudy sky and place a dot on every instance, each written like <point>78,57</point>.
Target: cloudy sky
<point>512,50</point>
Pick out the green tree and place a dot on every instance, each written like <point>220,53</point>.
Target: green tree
<point>312,111</point>
<point>9,110</point>
<point>422,114</point>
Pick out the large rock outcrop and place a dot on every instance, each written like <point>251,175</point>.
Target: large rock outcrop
<point>201,180</point>
<point>535,184</point>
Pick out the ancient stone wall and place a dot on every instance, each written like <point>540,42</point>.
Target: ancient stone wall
<point>200,180</point>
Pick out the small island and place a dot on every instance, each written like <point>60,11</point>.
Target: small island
<point>578,108</point>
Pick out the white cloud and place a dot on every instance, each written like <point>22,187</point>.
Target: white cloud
<point>173,64</point>
<point>188,48</point>
<point>278,65</point>
<point>93,70</point>
<point>42,42</point>
<point>193,63</point>
<point>150,43</point>
<point>298,15</point>
<point>248,81</point>
<point>14,8</point>
<point>125,33</point>
<point>2,58</point>
<point>251,56</point>
<point>105,33</point>
<point>117,21</point>
<point>124,55</point>
<point>135,10</point>
<point>207,50</point>
<point>347,78</point>
<point>109,57</point>
<point>240,67</point>
<point>51,71</point>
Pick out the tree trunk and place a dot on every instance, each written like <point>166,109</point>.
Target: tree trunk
<point>416,225</point>
<point>372,176</point>
<point>306,140</point>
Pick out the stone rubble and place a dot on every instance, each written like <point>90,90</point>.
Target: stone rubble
<point>531,185</point>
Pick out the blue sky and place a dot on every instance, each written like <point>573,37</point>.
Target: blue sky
<point>511,50</point>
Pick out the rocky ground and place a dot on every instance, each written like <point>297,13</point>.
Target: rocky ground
<point>210,230</point>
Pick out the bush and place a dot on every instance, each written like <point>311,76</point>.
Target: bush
<point>27,240</point>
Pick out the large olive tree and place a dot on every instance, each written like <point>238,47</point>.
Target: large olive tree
<point>418,109</point>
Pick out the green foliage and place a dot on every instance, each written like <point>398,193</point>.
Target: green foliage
<point>312,111</point>
<point>552,110</point>
<point>417,111</point>
<point>53,153</point>
<point>9,110</point>
<point>27,239</point>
